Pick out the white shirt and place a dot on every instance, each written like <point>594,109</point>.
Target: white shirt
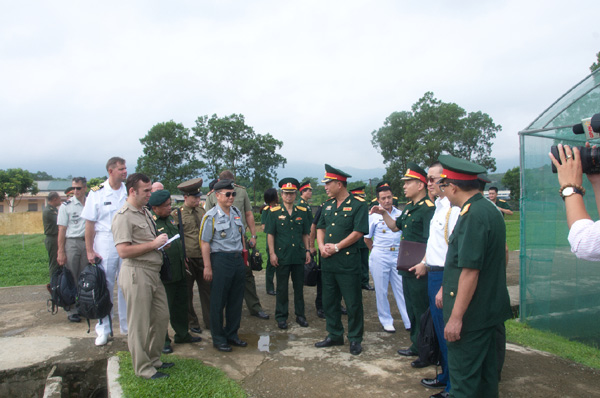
<point>103,204</point>
<point>437,243</point>
<point>380,233</point>
<point>584,238</point>
<point>69,215</point>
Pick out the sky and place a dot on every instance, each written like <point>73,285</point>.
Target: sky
<point>83,81</point>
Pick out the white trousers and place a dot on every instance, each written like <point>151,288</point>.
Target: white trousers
<point>111,264</point>
<point>382,264</point>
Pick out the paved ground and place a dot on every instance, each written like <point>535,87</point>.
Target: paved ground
<point>278,363</point>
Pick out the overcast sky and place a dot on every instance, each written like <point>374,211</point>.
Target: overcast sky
<point>83,81</point>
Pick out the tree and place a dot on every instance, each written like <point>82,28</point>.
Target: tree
<point>430,128</point>
<point>263,161</point>
<point>224,143</point>
<point>14,183</point>
<point>596,64</point>
<point>92,182</point>
<point>41,176</point>
<point>512,181</point>
<point>170,155</point>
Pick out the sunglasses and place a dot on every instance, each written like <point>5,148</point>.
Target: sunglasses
<point>433,180</point>
<point>229,194</point>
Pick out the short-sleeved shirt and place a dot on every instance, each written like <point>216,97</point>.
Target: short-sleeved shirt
<point>414,220</point>
<point>339,222</point>
<point>192,219</point>
<point>288,231</point>
<point>478,242</point>
<point>69,216</point>
<point>49,218</point>
<point>502,204</point>
<point>222,231</point>
<point>440,228</point>
<point>241,201</point>
<point>166,225</point>
<point>136,226</point>
<point>102,204</point>
<point>382,235</point>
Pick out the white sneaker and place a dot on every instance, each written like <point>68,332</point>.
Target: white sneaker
<point>389,328</point>
<point>101,340</point>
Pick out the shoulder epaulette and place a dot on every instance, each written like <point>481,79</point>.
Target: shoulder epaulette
<point>395,197</point>
<point>374,200</point>
<point>276,208</point>
<point>97,187</point>
<point>465,209</point>
<point>409,202</point>
<point>266,207</point>
<point>67,202</point>
<point>239,186</point>
<point>301,208</point>
<point>154,217</point>
<point>329,200</point>
<point>209,192</point>
<point>429,203</point>
<point>501,200</point>
<point>359,199</point>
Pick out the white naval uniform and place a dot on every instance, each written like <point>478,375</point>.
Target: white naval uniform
<point>382,263</point>
<point>101,206</point>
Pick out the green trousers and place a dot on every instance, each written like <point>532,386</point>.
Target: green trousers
<point>335,286</point>
<point>269,276</point>
<point>51,243</point>
<point>177,298</point>
<point>417,302</point>
<point>364,260</point>
<point>250,296</point>
<point>283,273</point>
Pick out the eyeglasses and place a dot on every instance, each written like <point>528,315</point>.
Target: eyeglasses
<point>432,180</point>
<point>229,194</point>
<point>77,188</point>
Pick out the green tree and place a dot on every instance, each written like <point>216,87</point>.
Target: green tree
<point>170,155</point>
<point>224,143</point>
<point>596,64</point>
<point>512,180</point>
<point>41,176</point>
<point>430,128</point>
<point>263,161</point>
<point>14,183</point>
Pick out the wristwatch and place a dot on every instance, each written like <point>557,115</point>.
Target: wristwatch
<point>337,250</point>
<point>568,191</point>
<point>254,237</point>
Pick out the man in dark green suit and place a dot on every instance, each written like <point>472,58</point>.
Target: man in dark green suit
<point>288,228</point>
<point>475,297</point>
<point>343,222</point>
<point>176,288</point>
<point>414,223</point>
<point>364,250</point>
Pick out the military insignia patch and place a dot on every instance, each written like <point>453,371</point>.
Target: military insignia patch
<point>298,218</point>
<point>347,209</point>
<point>281,217</point>
<point>328,208</point>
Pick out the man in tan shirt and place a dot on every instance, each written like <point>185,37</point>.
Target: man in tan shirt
<point>136,240</point>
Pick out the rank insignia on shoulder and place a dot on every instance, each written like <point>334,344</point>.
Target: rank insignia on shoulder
<point>465,209</point>
<point>374,200</point>
<point>429,203</point>
<point>154,218</point>
<point>359,198</point>
<point>160,229</point>
<point>276,208</point>
<point>266,207</point>
<point>97,187</point>
<point>301,208</point>
<point>347,209</point>
<point>67,202</point>
<point>502,200</point>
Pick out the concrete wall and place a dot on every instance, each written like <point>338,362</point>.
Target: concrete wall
<point>21,223</point>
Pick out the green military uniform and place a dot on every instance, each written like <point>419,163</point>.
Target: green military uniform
<point>503,204</point>
<point>414,223</point>
<point>49,218</point>
<point>362,246</point>
<point>341,272</point>
<point>477,242</point>
<point>288,230</point>
<point>242,202</point>
<point>270,270</point>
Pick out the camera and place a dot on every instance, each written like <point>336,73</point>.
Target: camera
<point>590,159</point>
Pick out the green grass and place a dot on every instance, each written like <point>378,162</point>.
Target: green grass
<point>513,231</point>
<point>188,378</point>
<point>523,334</point>
<point>23,260</point>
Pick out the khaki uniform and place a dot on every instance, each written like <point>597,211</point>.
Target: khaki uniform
<point>69,216</point>
<point>139,278</point>
<point>49,217</point>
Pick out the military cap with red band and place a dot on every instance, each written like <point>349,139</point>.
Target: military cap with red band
<point>415,172</point>
<point>333,174</point>
<point>358,191</point>
<point>305,185</point>
<point>289,184</point>
<point>459,169</point>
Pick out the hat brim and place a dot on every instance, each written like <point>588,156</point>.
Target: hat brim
<point>326,180</point>
<point>405,178</point>
<point>289,189</point>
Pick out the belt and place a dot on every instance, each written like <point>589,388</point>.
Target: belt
<point>385,248</point>
<point>78,238</point>
<point>434,268</point>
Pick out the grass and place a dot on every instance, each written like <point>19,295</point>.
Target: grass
<point>523,334</point>
<point>188,378</point>
<point>513,231</point>
<point>23,260</point>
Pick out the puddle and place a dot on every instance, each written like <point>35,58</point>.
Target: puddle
<point>13,332</point>
<point>269,342</point>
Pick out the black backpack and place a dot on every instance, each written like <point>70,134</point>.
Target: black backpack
<point>93,297</point>
<point>429,349</point>
<point>63,290</point>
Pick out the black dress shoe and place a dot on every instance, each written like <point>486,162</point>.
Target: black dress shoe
<point>355,348</point>
<point>196,330</point>
<point>237,342</point>
<point>261,314</point>
<point>408,353</point>
<point>193,339</point>
<point>367,287</point>
<point>321,314</point>
<point>223,347</point>
<point>442,394</point>
<point>300,320</point>
<point>282,325</point>
<point>432,383</point>
<point>271,292</point>
<point>344,311</point>
<point>159,375</point>
<point>166,365</point>
<point>167,349</point>
<point>74,318</point>
<point>328,343</point>
<point>418,364</point>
